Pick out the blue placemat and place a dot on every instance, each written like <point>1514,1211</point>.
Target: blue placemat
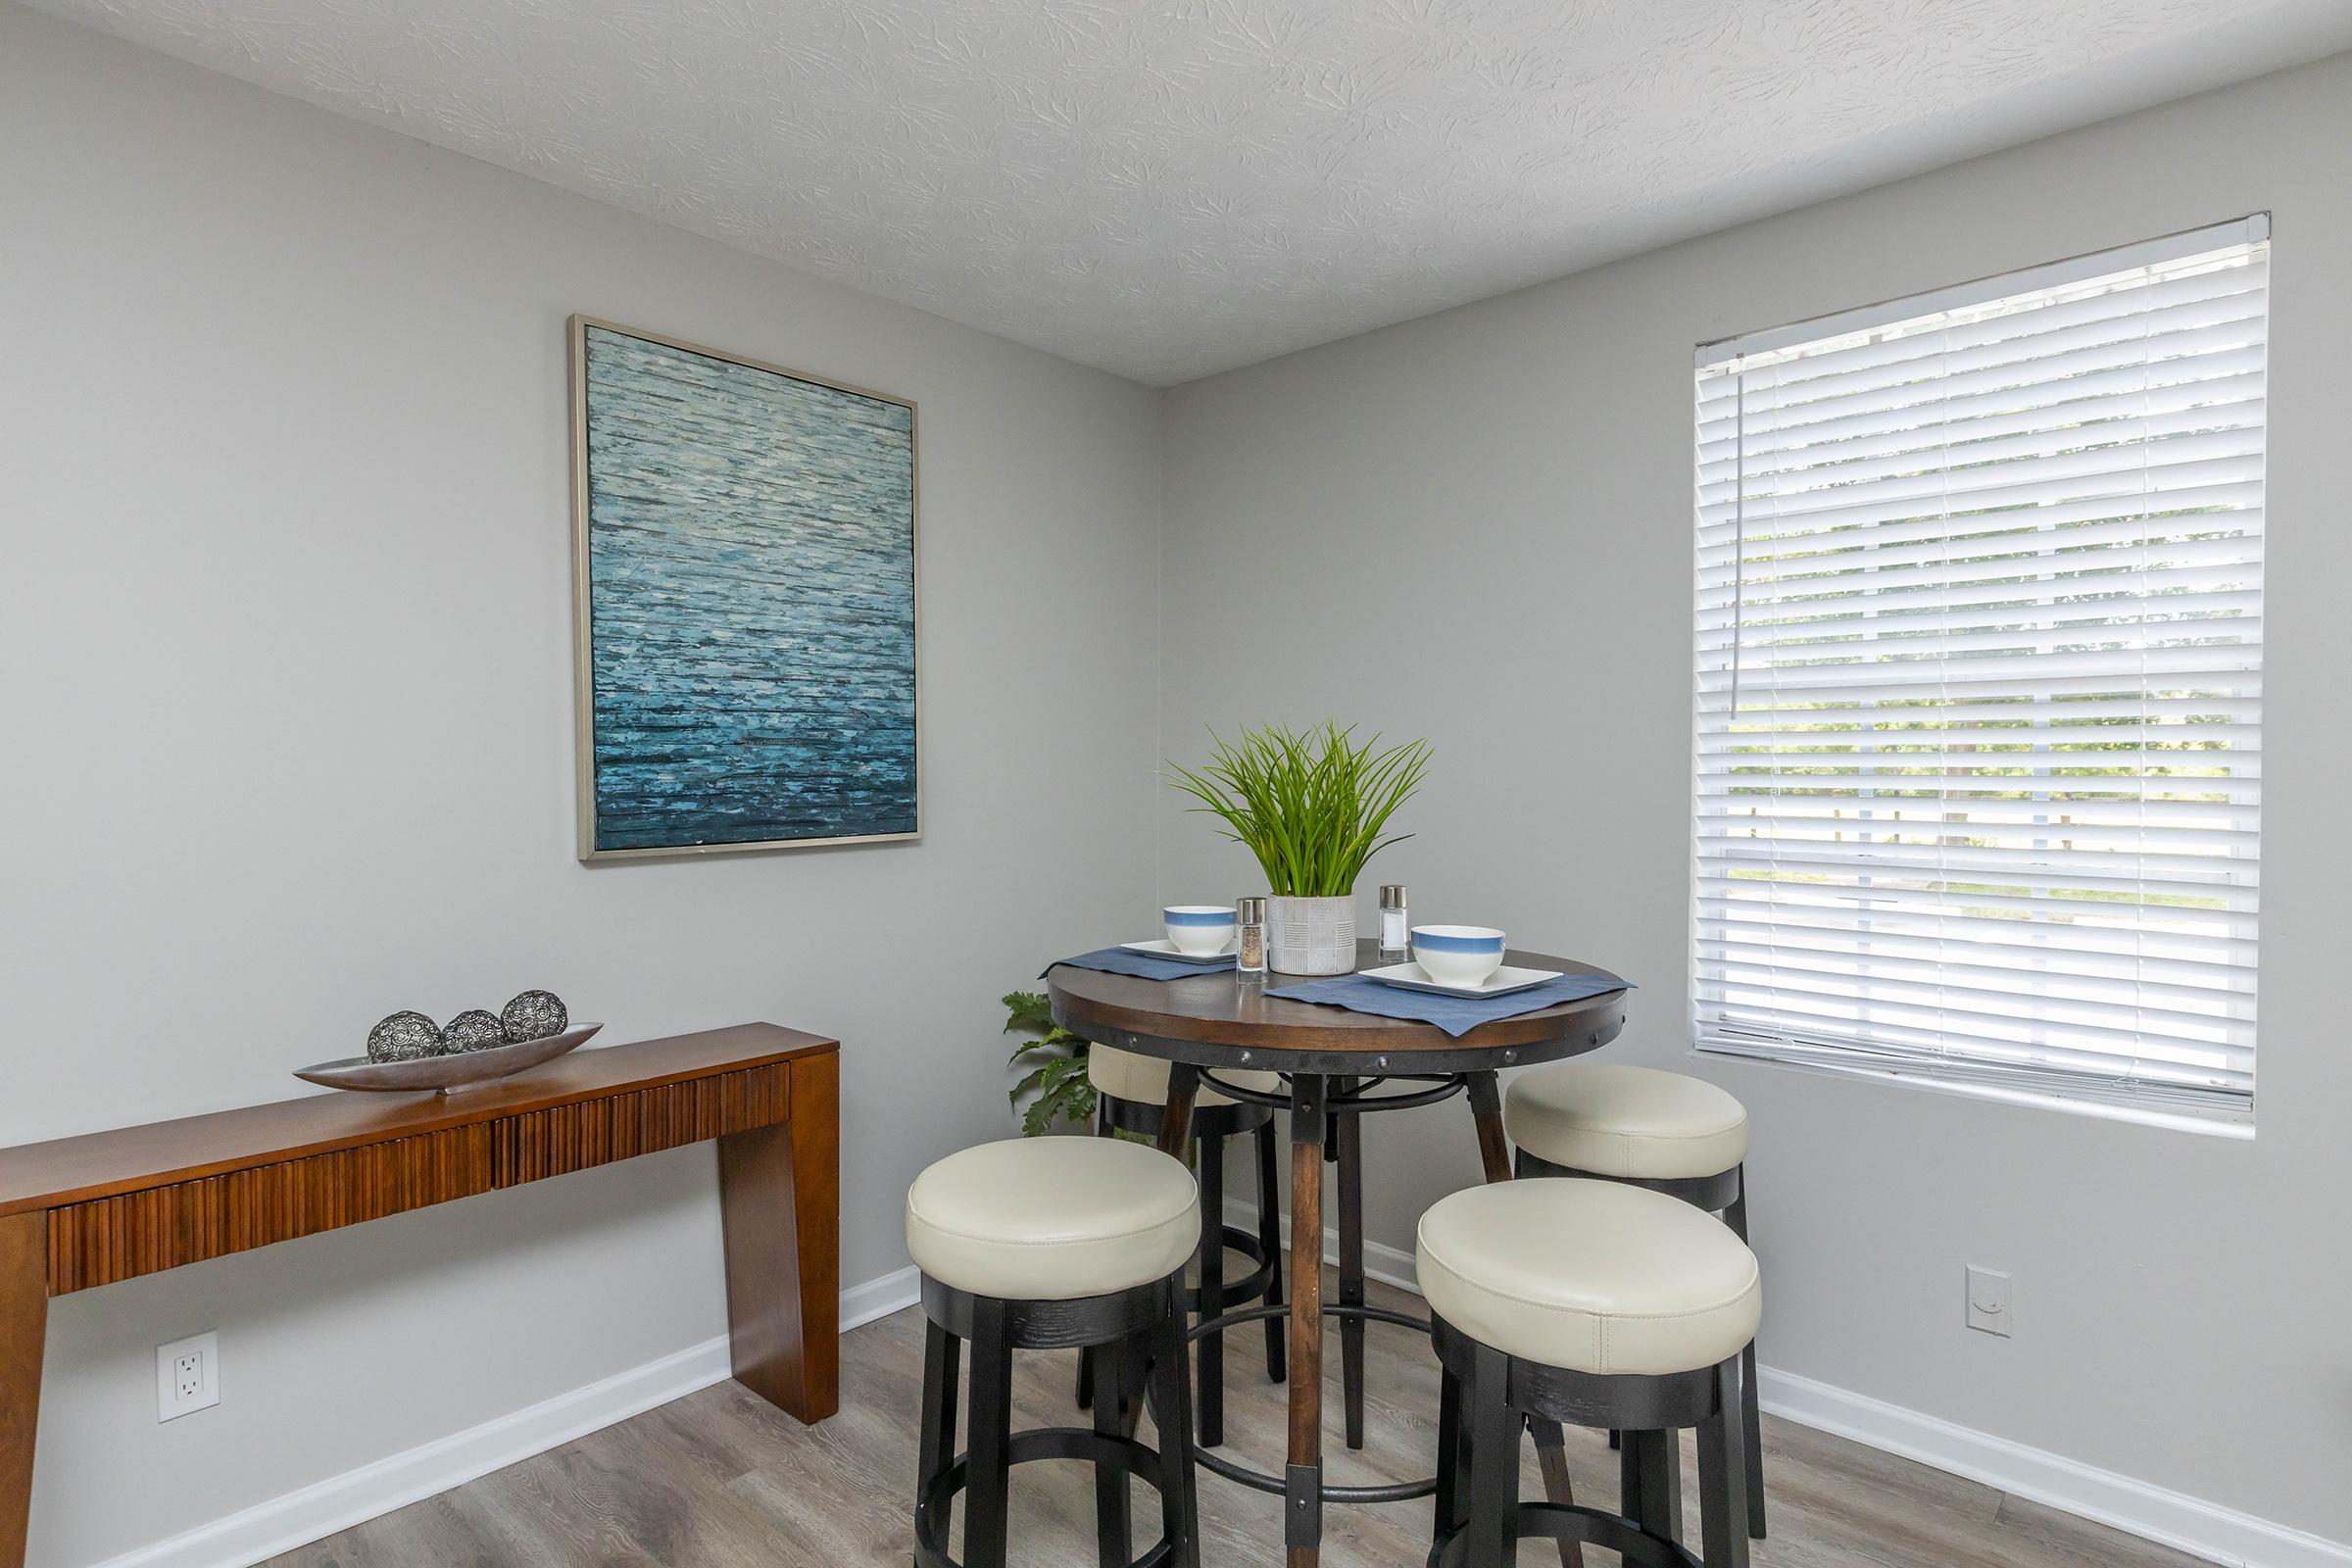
<point>1456,1015</point>
<point>1119,960</point>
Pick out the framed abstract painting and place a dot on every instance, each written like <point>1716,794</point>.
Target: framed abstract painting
<point>744,603</point>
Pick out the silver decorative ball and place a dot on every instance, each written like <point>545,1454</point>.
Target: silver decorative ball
<point>474,1030</point>
<point>533,1016</point>
<point>405,1037</point>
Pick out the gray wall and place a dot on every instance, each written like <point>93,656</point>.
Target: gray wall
<point>1477,527</point>
<point>285,630</point>
<point>285,626</point>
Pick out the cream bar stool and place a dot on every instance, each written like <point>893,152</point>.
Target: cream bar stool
<point>1598,1305</point>
<point>1053,1244</point>
<point>1665,1131</point>
<point>1130,1093</point>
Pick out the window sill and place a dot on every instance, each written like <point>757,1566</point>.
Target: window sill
<point>2212,1124</point>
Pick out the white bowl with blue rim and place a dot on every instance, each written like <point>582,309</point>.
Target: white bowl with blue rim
<point>1457,955</point>
<point>1199,929</point>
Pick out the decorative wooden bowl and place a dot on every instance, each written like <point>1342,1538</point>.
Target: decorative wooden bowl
<point>459,1070</point>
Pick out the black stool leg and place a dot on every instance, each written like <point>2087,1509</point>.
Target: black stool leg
<point>940,1354</point>
<point>1500,1164</point>
<point>1086,1358</point>
<point>1179,1513</point>
<point>1450,1442</point>
<point>1350,1144</point>
<point>1752,1417</point>
<point>1551,1457</point>
<point>1650,1483</point>
<point>1668,1461</point>
<point>1211,1271</point>
<point>990,1428</point>
<point>1269,1238</point>
<point>1114,1532</point>
<point>1722,1477</point>
<point>1493,1540</point>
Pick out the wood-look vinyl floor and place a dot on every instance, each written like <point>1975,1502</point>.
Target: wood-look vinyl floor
<point>721,1479</point>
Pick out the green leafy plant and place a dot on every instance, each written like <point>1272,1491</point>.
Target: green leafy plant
<point>1310,805</point>
<point>1056,1075</point>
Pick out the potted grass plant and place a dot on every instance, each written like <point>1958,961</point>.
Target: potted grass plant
<point>1312,805</point>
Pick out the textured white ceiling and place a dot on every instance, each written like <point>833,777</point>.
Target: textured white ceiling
<point>1170,187</point>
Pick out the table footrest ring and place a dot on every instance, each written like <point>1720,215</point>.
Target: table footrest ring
<point>1443,1085</point>
<point>1040,1443</point>
<point>1218,1464</point>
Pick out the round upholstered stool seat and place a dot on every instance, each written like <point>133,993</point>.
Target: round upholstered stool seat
<point>1131,1075</point>
<point>1635,1123</point>
<point>1592,1276</point>
<point>1052,1219</point>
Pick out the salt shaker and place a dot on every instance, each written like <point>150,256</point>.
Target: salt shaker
<point>1249,946</point>
<point>1396,928</point>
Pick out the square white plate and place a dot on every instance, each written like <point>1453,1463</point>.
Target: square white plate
<point>1164,948</point>
<point>1501,983</point>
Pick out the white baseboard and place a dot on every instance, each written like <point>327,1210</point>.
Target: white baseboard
<point>297,1518</point>
<point>338,1502</point>
<point>861,1304</point>
<point>2172,1518</point>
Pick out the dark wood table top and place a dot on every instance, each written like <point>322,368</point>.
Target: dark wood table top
<point>72,1171</point>
<point>1213,1019</point>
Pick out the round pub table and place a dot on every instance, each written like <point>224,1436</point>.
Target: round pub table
<point>1336,1063</point>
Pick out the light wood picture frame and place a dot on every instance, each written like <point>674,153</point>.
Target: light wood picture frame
<point>746,603</point>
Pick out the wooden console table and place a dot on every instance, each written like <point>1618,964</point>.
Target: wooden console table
<point>87,1212</point>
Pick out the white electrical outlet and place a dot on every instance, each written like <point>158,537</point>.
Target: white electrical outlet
<point>187,1376</point>
<point>1988,1301</point>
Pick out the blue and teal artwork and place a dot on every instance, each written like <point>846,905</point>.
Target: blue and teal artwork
<point>749,637</point>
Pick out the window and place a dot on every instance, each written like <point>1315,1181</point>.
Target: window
<point>1980,668</point>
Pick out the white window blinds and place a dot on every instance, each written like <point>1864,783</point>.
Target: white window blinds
<point>1979,665</point>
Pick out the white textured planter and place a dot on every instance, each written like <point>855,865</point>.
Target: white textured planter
<point>1310,936</point>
